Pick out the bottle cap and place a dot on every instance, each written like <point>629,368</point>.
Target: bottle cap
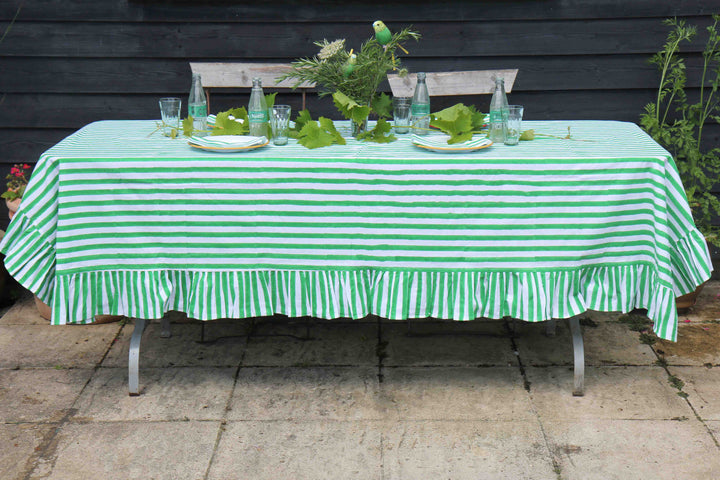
<point>421,76</point>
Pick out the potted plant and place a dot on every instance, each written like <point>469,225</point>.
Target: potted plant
<point>677,123</point>
<point>17,180</point>
<point>353,78</point>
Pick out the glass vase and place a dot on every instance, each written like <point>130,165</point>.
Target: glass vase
<point>358,128</point>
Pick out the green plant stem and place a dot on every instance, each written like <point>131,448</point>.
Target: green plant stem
<point>708,55</point>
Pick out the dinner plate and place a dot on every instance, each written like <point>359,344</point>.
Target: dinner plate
<point>228,143</point>
<point>438,143</point>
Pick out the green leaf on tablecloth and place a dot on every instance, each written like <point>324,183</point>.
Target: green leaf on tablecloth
<point>379,133</point>
<point>478,118</point>
<point>382,105</point>
<point>319,134</point>
<point>456,121</point>
<point>349,108</point>
<point>528,135</point>
<point>329,127</point>
<point>232,122</point>
<point>312,136</point>
<point>187,125</point>
<point>302,118</point>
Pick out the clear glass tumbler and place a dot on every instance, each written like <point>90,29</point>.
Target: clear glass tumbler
<point>170,113</point>
<point>280,123</point>
<point>401,113</point>
<point>514,124</point>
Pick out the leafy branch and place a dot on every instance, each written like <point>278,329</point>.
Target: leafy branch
<point>677,124</point>
<point>355,76</point>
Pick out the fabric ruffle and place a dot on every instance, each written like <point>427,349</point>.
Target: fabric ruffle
<point>30,256</point>
<point>529,296</point>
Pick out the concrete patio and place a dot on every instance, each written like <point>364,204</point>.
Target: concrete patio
<point>274,399</point>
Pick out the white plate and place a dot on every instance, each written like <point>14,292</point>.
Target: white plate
<point>229,149</point>
<point>228,143</point>
<point>438,143</point>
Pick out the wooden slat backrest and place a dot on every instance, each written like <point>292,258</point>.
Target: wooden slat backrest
<point>473,82</point>
<point>240,75</point>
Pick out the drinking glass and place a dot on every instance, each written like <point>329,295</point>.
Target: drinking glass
<point>514,124</point>
<point>401,113</point>
<point>280,123</point>
<point>170,113</point>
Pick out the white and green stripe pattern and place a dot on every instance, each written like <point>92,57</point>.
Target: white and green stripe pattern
<point>117,222</point>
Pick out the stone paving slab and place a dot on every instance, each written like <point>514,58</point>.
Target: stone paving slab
<point>617,393</point>
<point>593,449</point>
<point>703,388</point>
<point>605,343</point>
<point>714,426</point>
<point>308,393</point>
<point>447,345</point>
<point>224,345</point>
<point>318,450</point>
<point>697,344</point>
<point>23,312</point>
<point>330,344</point>
<point>79,346</point>
<point>129,450</point>
<point>456,393</point>
<point>39,394</point>
<point>18,444</point>
<point>167,394</point>
<point>467,450</point>
<point>707,307</point>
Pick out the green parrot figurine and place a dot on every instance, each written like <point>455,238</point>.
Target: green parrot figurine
<point>349,65</point>
<point>382,32</point>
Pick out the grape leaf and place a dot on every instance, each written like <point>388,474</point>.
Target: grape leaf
<point>528,135</point>
<point>312,136</point>
<point>478,118</point>
<point>382,105</point>
<point>378,134</point>
<point>270,99</point>
<point>329,127</point>
<point>349,108</point>
<point>232,122</point>
<point>456,121</point>
<point>302,118</point>
<point>187,125</point>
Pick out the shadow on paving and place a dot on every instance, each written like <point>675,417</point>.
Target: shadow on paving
<point>311,399</point>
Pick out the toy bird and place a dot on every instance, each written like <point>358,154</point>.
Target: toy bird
<point>383,35</point>
<point>382,32</point>
<point>349,65</point>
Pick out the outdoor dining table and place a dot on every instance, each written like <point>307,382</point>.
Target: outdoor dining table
<point>119,220</point>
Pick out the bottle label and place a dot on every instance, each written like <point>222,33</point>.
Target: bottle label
<point>197,111</point>
<point>420,109</point>
<point>498,116</point>
<point>258,116</point>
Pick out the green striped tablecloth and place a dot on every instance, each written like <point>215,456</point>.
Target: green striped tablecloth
<point>116,221</point>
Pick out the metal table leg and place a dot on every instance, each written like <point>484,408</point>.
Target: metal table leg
<point>579,354</point>
<point>134,356</point>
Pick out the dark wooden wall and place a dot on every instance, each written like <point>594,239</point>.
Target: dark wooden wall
<point>65,63</point>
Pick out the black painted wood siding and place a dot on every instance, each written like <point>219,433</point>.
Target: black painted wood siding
<point>65,63</point>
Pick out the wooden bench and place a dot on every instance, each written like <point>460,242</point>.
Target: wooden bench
<point>240,75</point>
<point>472,82</point>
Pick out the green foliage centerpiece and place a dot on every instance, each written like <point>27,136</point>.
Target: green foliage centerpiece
<point>353,78</point>
<point>677,124</point>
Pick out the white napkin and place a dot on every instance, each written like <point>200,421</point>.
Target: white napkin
<point>440,141</point>
<point>227,141</point>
